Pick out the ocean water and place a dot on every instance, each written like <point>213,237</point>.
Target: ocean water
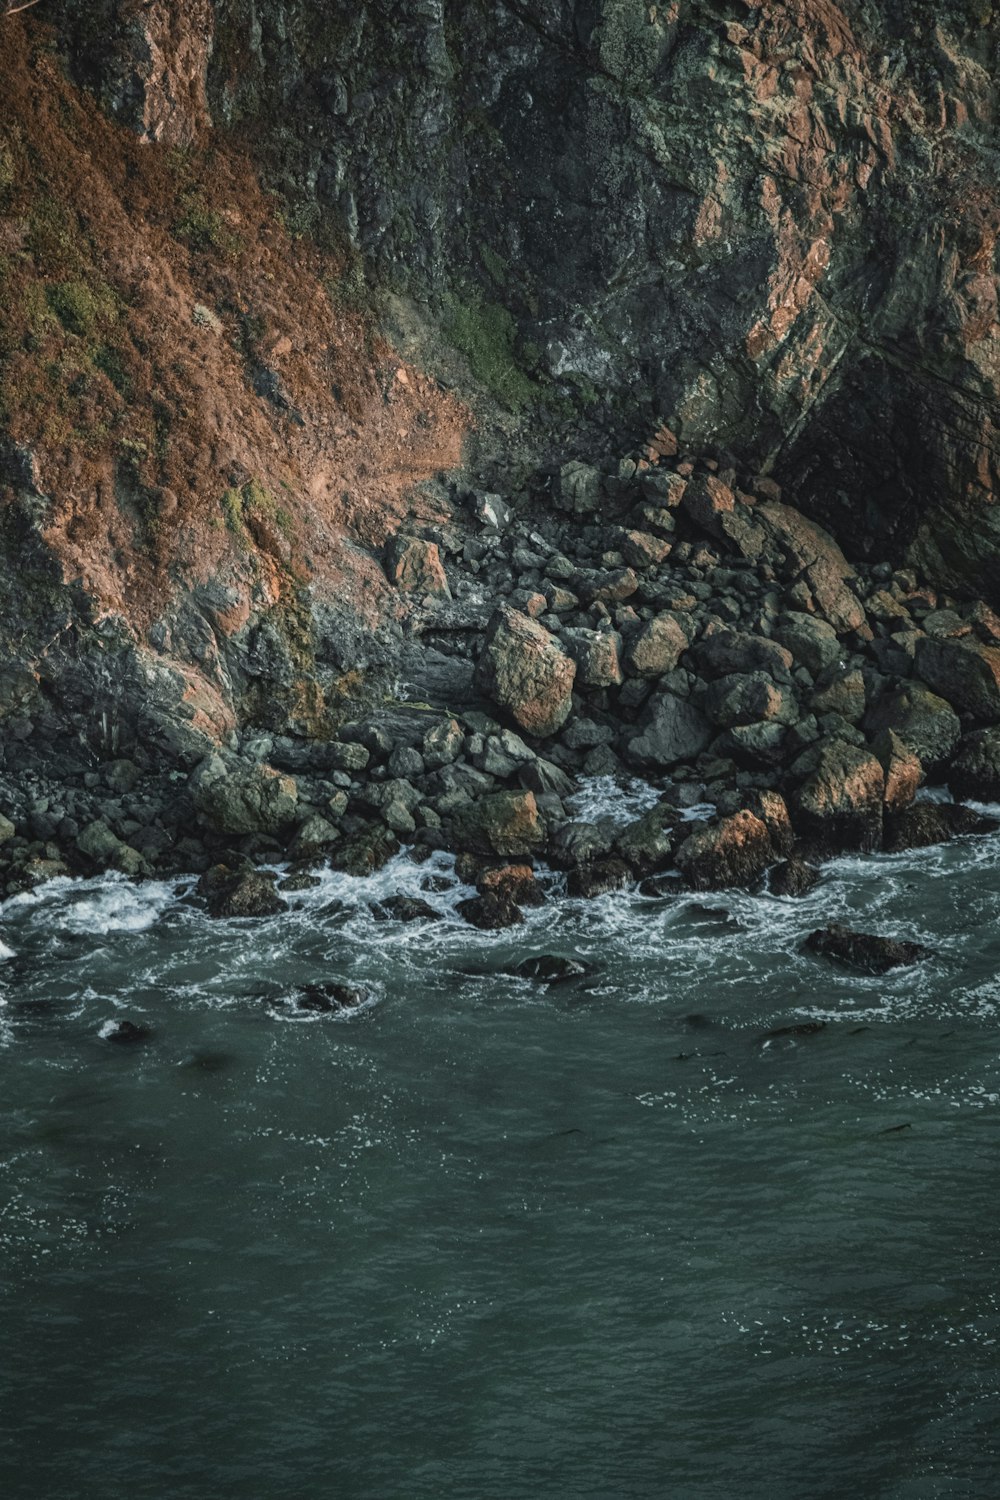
<point>488,1239</point>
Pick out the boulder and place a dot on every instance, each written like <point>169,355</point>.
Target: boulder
<point>597,657</point>
<point>841,692</point>
<point>928,823</point>
<point>903,772</point>
<point>611,587</point>
<point>579,488</point>
<point>816,557</point>
<point>524,670</point>
<point>730,852</point>
<point>506,823</point>
<point>728,652</point>
<point>838,800</point>
<point>657,647</point>
<point>108,852</point>
<point>240,893</point>
<point>365,852</point>
<point>975,771</point>
<point>237,798</point>
<point>965,672</point>
<point>927,725</point>
<point>405,909</point>
<point>641,549</point>
<point>813,642</point>
<point>442,744</point>
<point>748,698</point>
<point>553,968</point>
<point>671,731</point>
<point>415,567</point>
<point>516,882</point>
<point>793,878</point>
<point>313,837</point>
<point>865,951</point>
<point>598,879</point>
<point>647,844</point>
<point>493,911</point>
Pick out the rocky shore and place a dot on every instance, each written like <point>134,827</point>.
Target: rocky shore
<point>662,617</point>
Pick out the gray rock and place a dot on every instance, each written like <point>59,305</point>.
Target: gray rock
<point>672,731</point>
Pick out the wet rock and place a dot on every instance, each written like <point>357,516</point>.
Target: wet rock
<point>598,878</point>
<point>330,998</point>
<point>865,951</point>
<point>237,894</point>
<point>965,673</point>
<point>7,830</point>
<point>657,647</point>
<point>794,878</point>
<point>123,1033</point>
<point>405,909</point>
<point>928,823</point>
<point>671,731</point>
<point>732,852</point>
<point>506,823</point>
<point>514,882</point>
<point>975,772</point>
<point>493,911</point>
<point>550,969</point>
<point>580,842</point>
<point>238,798</point>
<point>839,797</point>
<point>365,852</point>
<point>415,567</point>
<point>647,845</point>
<point>313,838</point>
<point>924,722</point>
<point>301,882</point>
<point>524,670</point>
<point>108,852</point>
<point>903,771</point>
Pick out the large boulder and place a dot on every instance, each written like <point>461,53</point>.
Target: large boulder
<point>647,844</point>
<point>821,565</point>
<point>671,731</point>
<point>925,723</point>
<point>748,698</point>
<point>506,823</point>
<point>838,800</point>
<point>238,798</point>
<point>597,655</point>
<point>975,771</point>
<point>730,852</point>
<point>731,651</point>
<point>965,672</point>
<point>813,643</point>
<point>415,567</point>
<point>657,647</point>
<point>525,671</point>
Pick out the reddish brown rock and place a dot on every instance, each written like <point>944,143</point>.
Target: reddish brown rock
<point>731,852</point>
<point>524,670</point>
<point>415,567</point>
<point>839,797</point>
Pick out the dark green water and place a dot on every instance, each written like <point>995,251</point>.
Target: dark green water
<point>494,1241</point>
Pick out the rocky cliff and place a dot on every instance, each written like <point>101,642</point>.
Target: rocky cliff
<point>311,312</point>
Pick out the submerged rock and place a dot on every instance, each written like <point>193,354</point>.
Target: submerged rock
<point>125,1033</point>
<point>862,950</point>
<point>794,878</point>
<point>244,893</point>
<point>493,911</point>
<point>599,878</point>
<point>550,968</point>
<point>405,909</point>
<point>325,998</point>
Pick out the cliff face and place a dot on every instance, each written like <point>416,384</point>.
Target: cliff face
<point>771,227</point>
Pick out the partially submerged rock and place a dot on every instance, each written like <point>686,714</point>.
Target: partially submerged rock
<point>731,852</point>
<point>865,951</point>
<point>240,893</point>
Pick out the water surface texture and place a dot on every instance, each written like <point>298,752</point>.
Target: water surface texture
<point>493,1240</point>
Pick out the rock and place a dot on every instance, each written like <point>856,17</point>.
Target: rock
<point>839,797</point>
<point>542,777</point>
<point>516,883</point>
<point>647,844</point>
<point>842,693</point>
<point>246,893</point>
<point>794,878</point>
<point>237,798</point>
<point>821,563</point>
<point>918,827</point>
<point>108,852</point>
<point>611,587</point>
<point>865,951</point>
<point>731,852</point>
<point>706,500</point>
<point>812,642</point>
<point>7,830</point>
<point>965,673</point>
<point>641,549</point>
<point>506,823</point>
<point>579,488</point>
<point>415,567</point>
<point>405,763</point>
<point>925,723</point>
<point>365,852</point>
<point>313,838</point>
<point>405,909</point>
<point>598,879</point>
<point>731,652</point>
<point>525,672</point>
<point>492,510</point>
<point>125,1033</point>
<point>751,698</point>
<point>349,756</point>
<point>657,647</point>
<point>597,657</point>
<point>442,744</point>
<point>903,771</point>
<point>549,968</point>
<point>975,771</point>
<point>672,731</point>
<point>755,744</point>
<point>491,912</point>
<point>579,842</point>
<point>330,998</point>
